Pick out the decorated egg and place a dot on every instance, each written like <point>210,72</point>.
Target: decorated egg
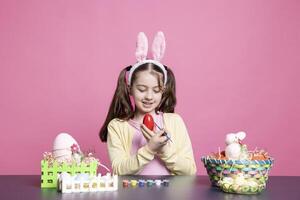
<point>240,179</point>
<point>63,145</point>
<point>148,121</point>
<point>228,180</point>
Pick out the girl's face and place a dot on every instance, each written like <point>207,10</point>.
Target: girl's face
<point>146,91</point>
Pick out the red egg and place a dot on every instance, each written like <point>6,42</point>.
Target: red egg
<point>148,121</point>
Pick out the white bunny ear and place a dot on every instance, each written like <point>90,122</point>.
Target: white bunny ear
<point>241,135</point>
<point>141,47</point>
<point>158,46</point>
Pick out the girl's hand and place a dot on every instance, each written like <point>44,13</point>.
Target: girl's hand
<point>169,146</point>
<point>155,140</point>
<point>165,149</point>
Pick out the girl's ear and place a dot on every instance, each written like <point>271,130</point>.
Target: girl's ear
<point>158,46</point>
<point>141,47</point>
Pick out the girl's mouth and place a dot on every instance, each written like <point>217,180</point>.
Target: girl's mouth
<point>147,104</point>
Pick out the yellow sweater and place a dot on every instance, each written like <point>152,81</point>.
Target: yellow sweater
<point>178,158</point>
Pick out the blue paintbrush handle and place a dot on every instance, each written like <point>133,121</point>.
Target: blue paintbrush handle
<point>165,133</point>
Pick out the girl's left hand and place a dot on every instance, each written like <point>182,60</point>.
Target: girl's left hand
<point>155,140</point>
<point>166,148</point>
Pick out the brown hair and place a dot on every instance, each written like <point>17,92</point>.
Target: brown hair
<point>121,107</point>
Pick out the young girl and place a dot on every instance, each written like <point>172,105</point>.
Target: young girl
<point>147,87</point>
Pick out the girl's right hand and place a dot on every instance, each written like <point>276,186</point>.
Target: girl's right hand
<point>155,140</point>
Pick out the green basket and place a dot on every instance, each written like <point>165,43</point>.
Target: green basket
<point>217,169</point>
<point>50,173</point>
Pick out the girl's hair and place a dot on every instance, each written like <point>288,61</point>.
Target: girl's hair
<point>121,107</point>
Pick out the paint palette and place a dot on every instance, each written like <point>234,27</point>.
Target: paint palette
<point>145,183</point>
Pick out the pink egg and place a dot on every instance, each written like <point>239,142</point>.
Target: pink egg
<point>62,146</point>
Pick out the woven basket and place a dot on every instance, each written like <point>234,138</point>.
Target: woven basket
<point>217,169</point>
<point>242,189</point>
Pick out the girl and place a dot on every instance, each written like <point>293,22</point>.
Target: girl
<point>147,87</point>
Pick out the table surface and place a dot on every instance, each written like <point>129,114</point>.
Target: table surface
<point>181,187</point>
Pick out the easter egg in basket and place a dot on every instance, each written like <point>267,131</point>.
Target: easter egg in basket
<point>62,146</point>
<point>251,166</point>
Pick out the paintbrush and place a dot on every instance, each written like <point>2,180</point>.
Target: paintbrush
<point>165,133</point>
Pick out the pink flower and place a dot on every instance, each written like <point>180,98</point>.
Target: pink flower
<point>75,148</point>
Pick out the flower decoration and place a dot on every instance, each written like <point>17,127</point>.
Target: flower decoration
<point>75,148</point>
<point>48,156</point>
<point>77,157</point>
<point>89,158</point>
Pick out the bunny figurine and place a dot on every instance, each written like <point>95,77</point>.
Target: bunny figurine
<point>234,149</point>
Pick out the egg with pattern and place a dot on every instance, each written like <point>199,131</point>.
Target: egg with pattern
<point>62,147</point>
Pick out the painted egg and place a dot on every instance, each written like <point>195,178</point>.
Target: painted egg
<point>62,146</point>
<point>148,121</point>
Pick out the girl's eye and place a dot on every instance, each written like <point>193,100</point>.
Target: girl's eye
<point>142,89</point>
<point>156,90</point>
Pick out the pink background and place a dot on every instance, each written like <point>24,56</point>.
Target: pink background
<point>236,63</point>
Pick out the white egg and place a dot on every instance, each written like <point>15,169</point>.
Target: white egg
<point>252,183</point>
<point>82,177</point>
<point>62,146</point>
<point>65,176</point>
<point>240,179</point>
<point>228,180</point>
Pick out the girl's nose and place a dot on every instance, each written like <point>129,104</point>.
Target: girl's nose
<point>149,95</point>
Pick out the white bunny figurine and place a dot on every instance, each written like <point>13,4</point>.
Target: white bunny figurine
<point>234,150</point>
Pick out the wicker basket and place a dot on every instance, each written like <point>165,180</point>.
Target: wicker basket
<point>254,169</point>
<point>242,189</point>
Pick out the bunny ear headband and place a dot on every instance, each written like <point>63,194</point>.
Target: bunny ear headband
<point>158,50</point>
